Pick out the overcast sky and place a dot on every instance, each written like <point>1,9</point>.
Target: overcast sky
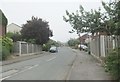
<point>18,11</point>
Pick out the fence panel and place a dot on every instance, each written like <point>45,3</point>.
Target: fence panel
<point>103,45</point>
<point>21,48</point>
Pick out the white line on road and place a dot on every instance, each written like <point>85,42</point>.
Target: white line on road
<point>19,72</point>
<point>4,78</point>
<point>51,59</point>
<point>33,66</point>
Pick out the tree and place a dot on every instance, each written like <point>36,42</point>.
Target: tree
<point>36,29</point>
<point>112,17</point>
<point>73,42</point>
<point>95,20</point>
<point>14,36</point>
<point>76,20</point>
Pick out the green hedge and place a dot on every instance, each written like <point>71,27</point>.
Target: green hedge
<point>5,47</point>
<point>4,53</point>
<point>46,47</point>
<point>112,62</point>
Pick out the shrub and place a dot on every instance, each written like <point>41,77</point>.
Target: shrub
<point>112,62</point>
<point>5,47</point>
<point>7,42</point>
<point>46,47</point>
<point>5,53</point>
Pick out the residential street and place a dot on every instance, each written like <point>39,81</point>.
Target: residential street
<point>67,64</point>
<point>54,66</point>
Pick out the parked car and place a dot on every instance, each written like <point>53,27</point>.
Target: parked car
<point>53,49</point>
<point>83,47</point>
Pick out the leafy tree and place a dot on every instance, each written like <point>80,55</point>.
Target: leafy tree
<point>94,21</point>
<point>36,29</point>
<point>50,43</point>
<point>73,42</point>
<point>112,17</point>
<point>14,36</point>
<point>75,20</point>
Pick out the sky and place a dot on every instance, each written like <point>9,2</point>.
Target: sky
<point>19,11</point>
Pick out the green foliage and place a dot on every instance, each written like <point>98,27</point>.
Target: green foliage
<point>36,29</point>
<point>113,63</point>
<point>4,53</point>
<point>95,20</point>
<point>112,17</point>
<point>7,42</point>
<point>73,42</point>
<point>50,43</point>
<point>6,47</point>
<point>46,47</point>
<point>14,36</point>
<point>9,34</point>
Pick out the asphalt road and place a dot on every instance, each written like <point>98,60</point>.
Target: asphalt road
<point>53,66</point>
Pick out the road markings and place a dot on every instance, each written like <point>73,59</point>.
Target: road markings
<point>19,72</point>
<point>4,78</point>
<point>51,59</point>
<point>33,66</point>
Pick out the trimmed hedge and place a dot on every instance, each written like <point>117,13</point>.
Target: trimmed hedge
<point>112,62</point>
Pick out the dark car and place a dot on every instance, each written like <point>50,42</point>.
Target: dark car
<point>53,49</point>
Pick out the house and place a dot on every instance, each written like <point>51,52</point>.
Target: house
<point>2,30</point>
<point>83,38</point>
<point>3,23</point>
<point>14,28</point>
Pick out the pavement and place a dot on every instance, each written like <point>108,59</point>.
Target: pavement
<point>22,58</point>
<point>86,67</point>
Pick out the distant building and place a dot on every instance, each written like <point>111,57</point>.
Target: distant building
<point>83,38</point>
<point>14,28</point>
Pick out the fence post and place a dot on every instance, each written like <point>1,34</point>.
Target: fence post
<point>27,48</point>
<point>20,49</point>
<point>32,48</point>
<point>102,46</point>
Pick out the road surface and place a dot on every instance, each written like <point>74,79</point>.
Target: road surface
<point>54,66</point>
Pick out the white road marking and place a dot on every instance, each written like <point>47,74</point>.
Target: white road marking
<point>33,66</point>
<point>51,59</point>
<point>4,78</point>
<point>19,72</point>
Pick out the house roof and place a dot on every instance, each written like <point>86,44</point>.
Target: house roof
<point>14,24</point>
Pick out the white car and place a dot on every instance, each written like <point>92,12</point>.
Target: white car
<point>83,47</point>
<point>53,49</point>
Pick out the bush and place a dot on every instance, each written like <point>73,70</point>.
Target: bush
<point>5,53</point>
<point>7,42</point>
<point>46,47</point>
<point>112,62</point>
<point>5,47</point>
